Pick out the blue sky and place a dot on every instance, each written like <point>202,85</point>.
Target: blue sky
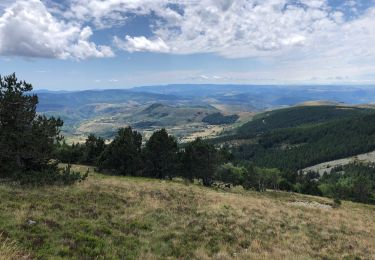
<point>92,44</point>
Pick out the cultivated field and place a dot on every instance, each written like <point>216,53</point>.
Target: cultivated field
<point>108,217</point>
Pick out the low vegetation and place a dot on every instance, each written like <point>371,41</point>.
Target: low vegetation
<point>111,217</point>
<point>9,250</point>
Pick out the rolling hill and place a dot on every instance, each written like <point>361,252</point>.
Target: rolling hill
<point>180,120</point>
<point>103,111</point>
<point>299,137</point>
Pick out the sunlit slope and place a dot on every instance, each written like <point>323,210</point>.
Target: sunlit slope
<point>120,217</point>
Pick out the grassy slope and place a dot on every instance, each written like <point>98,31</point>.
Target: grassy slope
<point>122,217</point>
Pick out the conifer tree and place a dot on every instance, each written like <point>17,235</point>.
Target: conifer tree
<point>161,155</point>
<point>123,154</point>
<point>26,139</point>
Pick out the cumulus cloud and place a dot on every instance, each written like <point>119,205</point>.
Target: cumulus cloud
<point>109,13</point>
<point>294,34</point>
<point>134,44</point>
<point>241,28</point>
<point>28,29</point>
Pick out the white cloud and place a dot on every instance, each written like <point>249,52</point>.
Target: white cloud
<point>241,28</point>
<point>292,39</point>
<point>109,13</point>
<point>28,29</point>
<point>135,44</point>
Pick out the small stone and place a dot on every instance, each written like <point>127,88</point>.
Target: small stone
<point>31,222</point>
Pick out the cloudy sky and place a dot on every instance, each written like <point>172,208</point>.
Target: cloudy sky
<point>91,44</point>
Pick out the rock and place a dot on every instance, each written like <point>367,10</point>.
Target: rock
<point>31,222</point>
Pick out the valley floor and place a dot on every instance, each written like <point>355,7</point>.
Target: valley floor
<point>108,217</point>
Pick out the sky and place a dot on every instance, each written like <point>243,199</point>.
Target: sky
<point>98,44</point>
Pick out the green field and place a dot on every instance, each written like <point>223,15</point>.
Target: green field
<point>108,217</point>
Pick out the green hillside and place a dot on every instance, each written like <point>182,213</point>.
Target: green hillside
<point>220,119</point>
<point>298,137</point>
<point>297,116</point>
<point>135,218</point>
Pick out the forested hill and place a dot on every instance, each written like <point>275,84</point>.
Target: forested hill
<point>303,136</point>
<point>297,116</point>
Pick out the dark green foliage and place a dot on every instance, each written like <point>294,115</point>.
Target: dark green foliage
<point>26,140</point>
<point>69,153</point>
<point>94,147</point>
<point>220,119</point>
<point>123,154</point>
<point>353,182</point>
<point>229,173</point>
<point>296,116</point>
<point>300,147</point>
<point>308,183</point>
<point>160,155</point>
<point>87,153</point>
<point>17,114</point>
<point>51,175</point>
<point>145,124</point>
<point>261,179</point>
<point>200,160</point>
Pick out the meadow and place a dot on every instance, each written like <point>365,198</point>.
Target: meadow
<point>111,217</point>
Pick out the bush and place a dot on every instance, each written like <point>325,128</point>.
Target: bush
<point>52,175</point>
<point>336,203</point>
<point>229,173</point>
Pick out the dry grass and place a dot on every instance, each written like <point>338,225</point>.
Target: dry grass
<point>119,217</point>
<point>9,250</point>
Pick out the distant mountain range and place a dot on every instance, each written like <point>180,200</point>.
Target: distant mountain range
<point>103,111</point>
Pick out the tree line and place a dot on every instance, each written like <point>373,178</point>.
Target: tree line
<point>160,157</point>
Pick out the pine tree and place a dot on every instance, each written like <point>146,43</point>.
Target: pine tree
<point>26,140</point>
<point>123,154</point>
<point>161,155</point>
<point>200,160</point>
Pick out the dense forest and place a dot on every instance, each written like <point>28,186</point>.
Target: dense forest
<point>293,117</point>
<point>300,147</point>
<point>298,137</point>
<point>220,119</point>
